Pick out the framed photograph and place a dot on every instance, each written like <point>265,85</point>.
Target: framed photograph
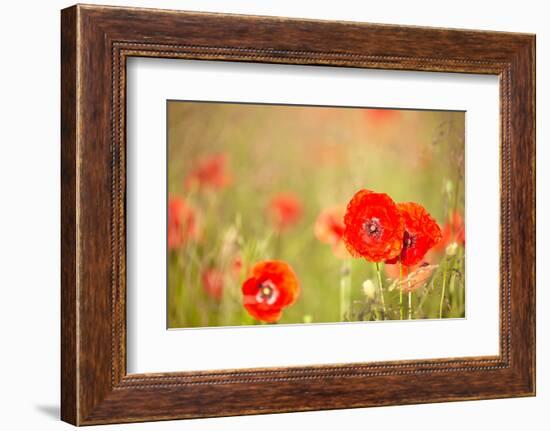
<point>266,215</point>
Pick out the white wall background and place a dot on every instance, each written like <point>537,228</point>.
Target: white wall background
<point>29,214</point>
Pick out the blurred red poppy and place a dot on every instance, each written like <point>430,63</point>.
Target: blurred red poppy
<point>210,172</point>
<point>272,286</point>
<point>421,233</point>
<point>212,283</point>
<point>381,116</point>
<point>392,270</point>
<point>413,277</point>
<point>329,229</point>
<point>373,226</point>
<point>452,232</point>
<point>182,223</point>
<point>285,210</point>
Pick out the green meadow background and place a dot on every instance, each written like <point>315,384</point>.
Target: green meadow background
<point>323,156</point>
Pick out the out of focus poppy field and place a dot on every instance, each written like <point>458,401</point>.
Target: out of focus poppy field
<point>281,214</point>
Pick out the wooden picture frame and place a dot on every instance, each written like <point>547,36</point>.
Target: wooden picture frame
<point>96,41</point>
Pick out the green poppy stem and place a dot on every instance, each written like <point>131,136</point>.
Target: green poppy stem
<point>400,290</point>
<point>410,305</point>
<point>381,287</point>
<point>443,291</point>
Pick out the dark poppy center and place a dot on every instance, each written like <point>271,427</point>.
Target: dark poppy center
<point>409,241</point>
<point>373,228</point>
<point>267,292</point>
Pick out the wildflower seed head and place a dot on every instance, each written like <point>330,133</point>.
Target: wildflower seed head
<point>369,289</point>
<point>451,249</point>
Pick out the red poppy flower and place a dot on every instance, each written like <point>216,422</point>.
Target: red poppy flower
<point>453,232</point>
<point>421,233</point>
<point>212,283</point>
<point>272,286</point>
<point>182,223</point>
<point>285,210</point>
<point>374,226</point>
<point>210,172</point>
<point>329,229</point>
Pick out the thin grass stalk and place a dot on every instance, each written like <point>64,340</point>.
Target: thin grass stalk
<point>345,290</point>
<point>381,287</point>
<point>410,304</point>
<point>443,291</point>
<point>400,290</point>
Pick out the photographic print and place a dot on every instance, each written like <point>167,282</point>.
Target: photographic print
<point>291,214</point>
